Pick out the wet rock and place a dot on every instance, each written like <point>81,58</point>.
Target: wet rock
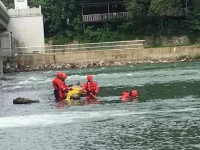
<point>103,63</point>
<point>118,63</point>
<point>21,100</point>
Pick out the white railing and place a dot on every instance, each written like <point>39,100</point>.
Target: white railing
<point>53,49</point>
<point>25,12</point>
<point>104,17</point>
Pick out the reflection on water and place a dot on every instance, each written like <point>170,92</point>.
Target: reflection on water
<point>166,115</point>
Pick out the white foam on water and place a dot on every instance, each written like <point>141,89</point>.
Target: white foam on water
<point>15,87</point>
<point>46,120</point>
<point>25,82</point>
<point>129,74</point>
<point>139,77</point>
<point>45,81</point>
<point>33,78</point>
<point>71,117</point>
<point>33,120</point>
<point>126,78</point>
<point>48,72</point>
<point>76,77</point>
<point>109,84</point>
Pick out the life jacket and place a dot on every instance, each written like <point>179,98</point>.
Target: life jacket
<point>58,88</point>
<point>55,86</point>
<point>90,86</point>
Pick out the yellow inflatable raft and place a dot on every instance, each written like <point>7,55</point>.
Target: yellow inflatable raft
<point>74,95</point>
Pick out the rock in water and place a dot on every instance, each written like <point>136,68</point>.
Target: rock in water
<point>21,100</point>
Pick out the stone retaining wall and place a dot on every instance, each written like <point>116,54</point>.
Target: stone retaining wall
<point>113,55</point>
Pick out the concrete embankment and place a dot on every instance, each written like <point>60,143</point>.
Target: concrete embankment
<point>112,57</point>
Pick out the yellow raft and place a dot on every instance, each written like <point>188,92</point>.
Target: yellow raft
<point>74,95</point>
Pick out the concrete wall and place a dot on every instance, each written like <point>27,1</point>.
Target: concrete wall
<point>28,31</point>
<point>1,65</point>
<point>117,55</point>
<point>27,27</point>
<point>5,43</point>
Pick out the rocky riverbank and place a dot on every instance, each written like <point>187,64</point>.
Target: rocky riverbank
<point>105,63</point>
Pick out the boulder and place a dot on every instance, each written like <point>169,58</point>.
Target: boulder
<point>21,100</point>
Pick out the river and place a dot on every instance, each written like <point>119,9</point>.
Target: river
<point>165,117</point>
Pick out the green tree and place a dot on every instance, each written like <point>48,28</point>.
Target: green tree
<point>193,18</point>
<point>8,3</point>
<point>63,19</point>
<point>193,22</point>
<point>164,8</point>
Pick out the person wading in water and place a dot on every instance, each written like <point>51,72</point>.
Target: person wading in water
<point>90,88</point>
<point>129,96</point>
<point>59,88</point>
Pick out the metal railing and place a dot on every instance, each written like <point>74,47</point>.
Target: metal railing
<point>110,16</point>
<point>3,6</point>
<point>105,17</point>
<point>53,49</point>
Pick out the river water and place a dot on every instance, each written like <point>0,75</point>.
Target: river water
<point>166,115</point>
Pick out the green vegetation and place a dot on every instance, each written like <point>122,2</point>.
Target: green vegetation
<point>62,19</point>
<point>46,40</point>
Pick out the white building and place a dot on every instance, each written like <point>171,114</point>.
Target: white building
<point>26,25</point>
<point>21,4</point>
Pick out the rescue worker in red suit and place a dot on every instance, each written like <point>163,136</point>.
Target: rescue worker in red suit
<point>64,76</point>
<point>128,96</point>
<point>134,95</point>
<point>91,88</point>
<point>58,86</point>
<point>125,96</point>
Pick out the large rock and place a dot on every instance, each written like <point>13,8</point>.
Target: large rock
<point>21,100</point>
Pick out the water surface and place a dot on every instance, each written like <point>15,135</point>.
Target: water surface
<point>166,115</point>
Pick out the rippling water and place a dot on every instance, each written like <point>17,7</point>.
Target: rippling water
<point>166,115</point>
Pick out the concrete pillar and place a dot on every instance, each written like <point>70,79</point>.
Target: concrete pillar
<point>1,67</point>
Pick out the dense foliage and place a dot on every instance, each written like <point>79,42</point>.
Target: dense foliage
<point>63,20</point>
